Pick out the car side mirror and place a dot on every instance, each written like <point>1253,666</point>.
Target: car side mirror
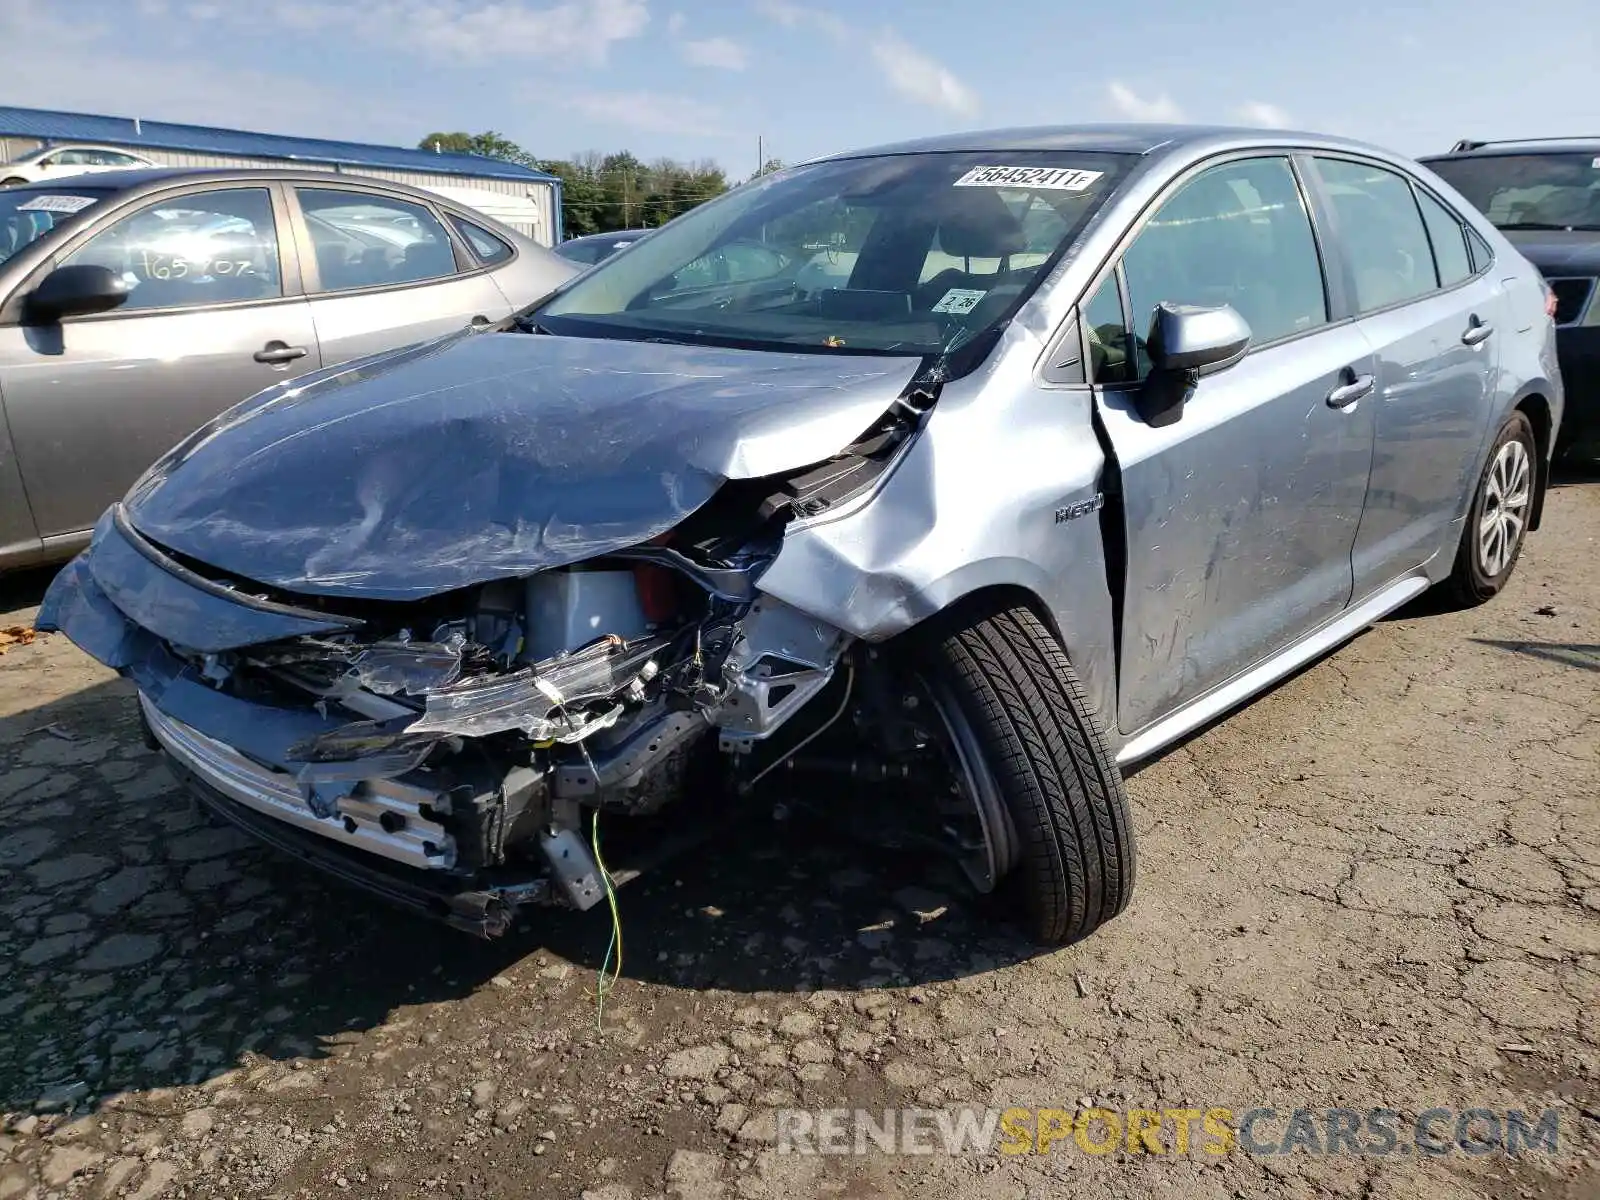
<point>76,291</point>
<point>1185,342</point>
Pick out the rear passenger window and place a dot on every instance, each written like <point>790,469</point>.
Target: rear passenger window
<point>485,245</point>
<point>1449,241</point>
<point>364,240</point>
<point>1482,256</point>
<point>1381,231</point>
<point>1239,235</point>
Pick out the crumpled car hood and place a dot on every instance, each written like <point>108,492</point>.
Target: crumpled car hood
<point>482,456</point>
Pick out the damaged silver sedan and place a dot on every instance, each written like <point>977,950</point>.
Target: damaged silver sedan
<point>944,482</point>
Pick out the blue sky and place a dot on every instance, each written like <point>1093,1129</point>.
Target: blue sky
<point>704,78</point>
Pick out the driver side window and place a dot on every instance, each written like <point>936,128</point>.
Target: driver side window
<point>1237,234</point>
<point>212,247</point>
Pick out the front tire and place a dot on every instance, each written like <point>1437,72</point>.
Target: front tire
<point>1060,838</point>
<point>14,181</point>
<point>1497,522</point>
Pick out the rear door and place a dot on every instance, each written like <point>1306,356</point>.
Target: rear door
<point>210,319</point>
<point>1432,321</point>
<point>384,271</point>
<point>1239,518</point>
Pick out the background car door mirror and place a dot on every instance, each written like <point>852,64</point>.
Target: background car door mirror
<point>76,291</point>
<point>1185,342</point>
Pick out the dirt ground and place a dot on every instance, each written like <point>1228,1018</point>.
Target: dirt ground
<point>1377,886</point>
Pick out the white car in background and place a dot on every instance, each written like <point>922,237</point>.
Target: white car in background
<point>49,163</point>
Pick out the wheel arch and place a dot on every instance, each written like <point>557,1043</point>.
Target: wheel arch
<point>1536,407</point>
<point>884,607</point>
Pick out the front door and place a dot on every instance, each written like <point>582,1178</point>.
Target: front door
<point>93,401</point>
<point>387,273</point>
<point>1239,518</point>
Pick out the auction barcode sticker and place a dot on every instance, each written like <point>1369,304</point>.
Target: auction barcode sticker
<point>57,204</point>
<point>1058,179</point>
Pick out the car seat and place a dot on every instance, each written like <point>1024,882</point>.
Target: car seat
<point>1385,273</point>
<point>428,259</point>
<point>974,223</point>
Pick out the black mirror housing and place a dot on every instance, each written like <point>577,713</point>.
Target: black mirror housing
<point>76,291</point>
<point>1185,342</point>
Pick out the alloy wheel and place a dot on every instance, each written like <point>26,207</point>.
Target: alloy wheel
<point>972,814</point>
<point>1507,491</point>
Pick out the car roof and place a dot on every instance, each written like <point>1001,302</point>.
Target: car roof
<point>134,180</point>
<point>75,145</point>
<point>1541,145</point>
<point>1141,139</point>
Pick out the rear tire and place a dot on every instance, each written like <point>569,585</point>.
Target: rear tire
<point>12,182</point>
<point>1068,843</point>
<point>1497,522</point>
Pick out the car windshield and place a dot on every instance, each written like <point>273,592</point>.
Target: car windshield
<point>28,214</point>
<point>914,254</point>
<point>1529,191</point>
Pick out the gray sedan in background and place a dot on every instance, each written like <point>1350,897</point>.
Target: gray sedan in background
<point>137,305</point>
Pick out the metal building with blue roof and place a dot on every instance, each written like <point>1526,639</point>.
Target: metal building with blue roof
<point>526,199</point>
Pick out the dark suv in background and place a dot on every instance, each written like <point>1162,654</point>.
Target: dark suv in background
<point>1544,193</point>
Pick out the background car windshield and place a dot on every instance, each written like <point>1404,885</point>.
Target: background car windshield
<point>1529,191</point>
<point>898,254</point>
<point>26,215</point>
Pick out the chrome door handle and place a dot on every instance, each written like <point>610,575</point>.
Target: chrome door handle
<point>277,353</point>
<point>1345,395</point>
<point>1476,332</point>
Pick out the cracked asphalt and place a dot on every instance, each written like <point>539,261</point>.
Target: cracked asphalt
<point>1379,885</point>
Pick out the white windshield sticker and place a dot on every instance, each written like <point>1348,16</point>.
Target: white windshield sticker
<point>1058,179</point>
<point>1596,164</point>
<point>57,204</point>
<point>959,300</point>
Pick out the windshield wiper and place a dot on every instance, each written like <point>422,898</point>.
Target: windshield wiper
<point>1548,225</point>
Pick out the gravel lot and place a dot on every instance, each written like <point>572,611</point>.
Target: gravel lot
<point>1378,886</point>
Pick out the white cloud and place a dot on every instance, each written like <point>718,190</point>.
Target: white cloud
<point>796,16</point>
<point>1259,112</point>
<point>721,52</point>
<point>917,77</point>
<point>649,112</point>
<point>574,30</point>
<point>675,23</point>
<point>1130,104</point>
<point>906,69</point>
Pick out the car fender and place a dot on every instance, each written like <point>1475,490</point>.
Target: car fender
<point>999,493</point>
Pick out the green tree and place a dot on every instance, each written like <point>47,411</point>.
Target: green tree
<point>488,144</point>
<point>602,192</point>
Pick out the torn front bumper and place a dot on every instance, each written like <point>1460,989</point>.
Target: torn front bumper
<point>371,822</point>
<point>387,817</point>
